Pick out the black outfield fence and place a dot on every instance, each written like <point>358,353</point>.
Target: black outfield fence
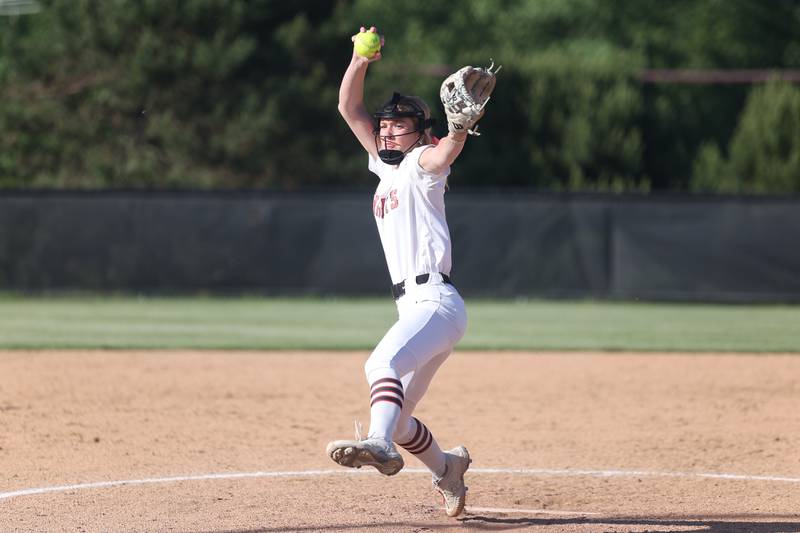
<point>505,244</point>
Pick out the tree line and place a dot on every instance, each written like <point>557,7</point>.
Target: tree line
<point>243,94</point>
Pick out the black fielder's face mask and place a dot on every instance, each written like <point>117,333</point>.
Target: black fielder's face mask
<point>399,107</point>
<point>391,156</point>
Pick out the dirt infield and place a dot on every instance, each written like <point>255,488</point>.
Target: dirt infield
<point>212,441</point>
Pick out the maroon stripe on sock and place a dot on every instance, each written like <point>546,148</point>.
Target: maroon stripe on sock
<point>419,437</point>
<point>387,380</point>
<point>393,399</point>
<point>416,434</point>
<point>397,391</point>
<point>426,443</point>
<point>424,448</point>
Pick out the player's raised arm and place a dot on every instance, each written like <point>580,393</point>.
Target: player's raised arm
<point>464,95</point>
<point>351,91</point>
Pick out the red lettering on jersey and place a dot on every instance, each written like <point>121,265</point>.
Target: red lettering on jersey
<point>379,207</point>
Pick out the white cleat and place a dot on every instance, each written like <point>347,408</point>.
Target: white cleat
<point>370,452</point>
<point>451,485</point>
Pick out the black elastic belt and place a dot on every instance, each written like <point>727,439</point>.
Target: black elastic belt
<point>399,289</point>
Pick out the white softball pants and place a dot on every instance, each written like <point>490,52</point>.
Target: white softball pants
<point>432,318</point>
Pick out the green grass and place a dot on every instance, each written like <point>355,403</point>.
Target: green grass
<point>279,323</point>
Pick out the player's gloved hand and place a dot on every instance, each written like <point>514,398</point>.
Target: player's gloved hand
<point>465,94</point>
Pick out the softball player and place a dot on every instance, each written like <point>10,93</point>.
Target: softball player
<point>410,213</point>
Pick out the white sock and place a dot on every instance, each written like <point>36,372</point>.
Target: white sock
<point>418,439</point>
<point>386,403</point>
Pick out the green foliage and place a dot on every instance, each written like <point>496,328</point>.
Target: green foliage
<point>163,94</point>
<point>230,93</point>
<point>587,133</point>
<point>565,111</point>
<point>764,151</point>
<point>712,172</point>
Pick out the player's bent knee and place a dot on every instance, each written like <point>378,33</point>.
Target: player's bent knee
<point>378,367</point>
<point>383,363</point>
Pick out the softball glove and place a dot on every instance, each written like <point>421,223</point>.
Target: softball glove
<point>465,94</point>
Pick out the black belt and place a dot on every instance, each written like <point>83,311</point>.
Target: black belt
<point>399,289</point>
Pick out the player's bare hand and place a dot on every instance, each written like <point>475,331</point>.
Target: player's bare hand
<point>377,56</point>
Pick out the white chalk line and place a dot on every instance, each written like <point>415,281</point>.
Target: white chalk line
<point>320,473</point>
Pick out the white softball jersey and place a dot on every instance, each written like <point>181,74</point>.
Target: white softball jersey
<point>409,210</point>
